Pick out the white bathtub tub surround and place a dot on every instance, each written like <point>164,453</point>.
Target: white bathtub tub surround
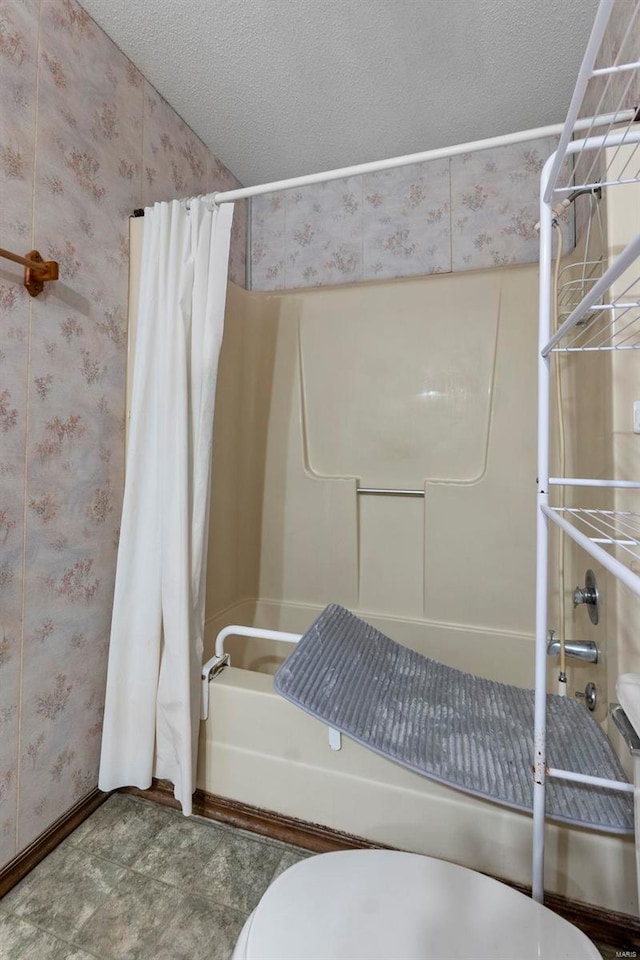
<point>502,655</point>
<point>261,750</point>
<point>459,561</point>
<point>450,725</point>
<point>155,656</point>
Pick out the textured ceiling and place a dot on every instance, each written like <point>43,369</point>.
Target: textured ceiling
<point>278,88</point>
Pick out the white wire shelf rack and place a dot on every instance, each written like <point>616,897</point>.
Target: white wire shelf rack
<point>575,282</point>
<point>608,91</point>
<point>598,310</point>
<point>606,326</point>
<point>611,537</point>
<point>597,169</point>
<point>597,323</point>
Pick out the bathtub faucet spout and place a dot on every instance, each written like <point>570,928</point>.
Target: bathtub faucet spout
<point>585,650</point>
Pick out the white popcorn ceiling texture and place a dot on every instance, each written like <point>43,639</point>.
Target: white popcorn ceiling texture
<point>280,88</point>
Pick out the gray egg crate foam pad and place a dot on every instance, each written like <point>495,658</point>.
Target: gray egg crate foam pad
<point>454,727</point>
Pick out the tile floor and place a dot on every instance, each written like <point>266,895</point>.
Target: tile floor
<point>137,881</point>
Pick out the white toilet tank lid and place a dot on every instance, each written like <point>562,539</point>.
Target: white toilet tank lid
<point>388,905</point>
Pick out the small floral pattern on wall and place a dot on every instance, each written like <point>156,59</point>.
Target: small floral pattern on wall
<point>106,144</point>
<point>406,227</point>
<point>473,211</point>
<point>18,77</point>
<point>494,196</point>
<point>175,163</point>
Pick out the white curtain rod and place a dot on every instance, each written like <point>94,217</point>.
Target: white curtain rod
<point>440,153</point>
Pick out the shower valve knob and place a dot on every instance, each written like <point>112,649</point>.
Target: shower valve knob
<point>580,595</point>
<point>588,595</point>
<point>590,696</point>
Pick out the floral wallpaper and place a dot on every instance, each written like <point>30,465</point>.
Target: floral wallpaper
<point>84,140</point>
<point>472,211</point>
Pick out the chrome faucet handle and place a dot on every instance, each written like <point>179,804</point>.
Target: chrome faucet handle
<point>590,696</point>
<point>580,595</point>
<point>588,595</point>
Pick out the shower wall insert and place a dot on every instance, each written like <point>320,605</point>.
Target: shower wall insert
<point>613,330</point>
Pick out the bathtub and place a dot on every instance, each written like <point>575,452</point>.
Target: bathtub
<point>259,749</point>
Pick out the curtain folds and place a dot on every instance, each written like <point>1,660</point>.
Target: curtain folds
<point>153,682</point>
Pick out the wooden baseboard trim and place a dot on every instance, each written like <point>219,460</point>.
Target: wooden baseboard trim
<point>31,856</point>
<point>605,927</point>
<point>266,823</point>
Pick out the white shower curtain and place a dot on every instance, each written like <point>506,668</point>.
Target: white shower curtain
<point>153,683</point>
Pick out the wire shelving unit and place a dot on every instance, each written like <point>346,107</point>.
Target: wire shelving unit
<point>592,319</point>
